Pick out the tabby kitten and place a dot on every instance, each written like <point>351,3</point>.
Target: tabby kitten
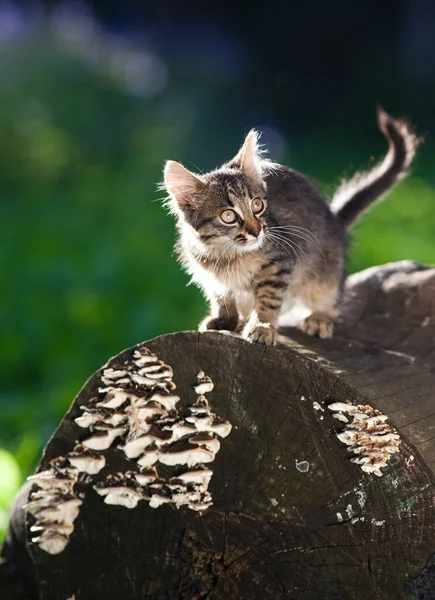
<point>257,237</point>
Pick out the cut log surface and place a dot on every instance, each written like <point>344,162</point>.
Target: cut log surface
<point>292,515</point>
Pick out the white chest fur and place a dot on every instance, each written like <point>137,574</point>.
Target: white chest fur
<point>238,276</point>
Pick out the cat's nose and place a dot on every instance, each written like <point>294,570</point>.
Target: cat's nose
<point>253,227</point>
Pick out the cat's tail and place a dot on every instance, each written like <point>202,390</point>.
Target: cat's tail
<point>355,196</point>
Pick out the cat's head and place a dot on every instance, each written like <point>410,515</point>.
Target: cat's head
<point>225,210</point>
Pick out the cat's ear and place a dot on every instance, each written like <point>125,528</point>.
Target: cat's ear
<point>248,158</point>
<point>182,185</point>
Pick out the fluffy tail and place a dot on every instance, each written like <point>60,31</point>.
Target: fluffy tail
<point>354,197</point>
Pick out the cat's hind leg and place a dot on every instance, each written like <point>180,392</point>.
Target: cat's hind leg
<point>322,300</point>
<point>319,323</point>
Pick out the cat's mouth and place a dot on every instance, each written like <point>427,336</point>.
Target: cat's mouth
<point>249,243</point>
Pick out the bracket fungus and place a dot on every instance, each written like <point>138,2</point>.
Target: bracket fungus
<point>103,439</point>
<point>135,403</point>
<point>156,432</point>
<point>121,489</point>
<point>86,460</point>
<point>204,384</point>
<point>368,436</point>
<point>54,506</point>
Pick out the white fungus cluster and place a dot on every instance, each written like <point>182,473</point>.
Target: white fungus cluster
<point>185,489</point>
<point>157,433</point>
<point>367,434</point>
<point>54,506</point>
<point>136,405</point>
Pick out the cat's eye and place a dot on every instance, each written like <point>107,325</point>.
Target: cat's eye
<point>229,217</point>
<point>257,206</point>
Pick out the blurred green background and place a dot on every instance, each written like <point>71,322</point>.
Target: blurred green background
<point>92,102</point>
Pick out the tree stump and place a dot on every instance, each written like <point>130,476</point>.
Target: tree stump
<point>292,516</point>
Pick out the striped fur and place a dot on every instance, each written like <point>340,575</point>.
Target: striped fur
<point>257,237</point>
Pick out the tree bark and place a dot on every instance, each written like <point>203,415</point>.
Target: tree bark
<point>292,516</point>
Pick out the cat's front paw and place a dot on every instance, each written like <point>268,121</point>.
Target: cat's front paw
<point>319,324</point>
<point>263,333</point>
<point>226,323</point>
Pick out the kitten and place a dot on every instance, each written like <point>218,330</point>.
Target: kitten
<point>256,236</point>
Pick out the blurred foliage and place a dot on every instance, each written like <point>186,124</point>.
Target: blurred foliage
<point>10,476</point>
<point>86,264</point>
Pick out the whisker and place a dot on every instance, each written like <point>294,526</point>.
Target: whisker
<point>196,167</point>
<point>283,245</point>
<point>302,237</point>
<point>286,241</point>
<point>306,240</point>
<point>279,245</point>
<point>297,228</point>
<point>229,262</point>
<point>301,232</point>
<point>225,247</point>
<point>291,245</point>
